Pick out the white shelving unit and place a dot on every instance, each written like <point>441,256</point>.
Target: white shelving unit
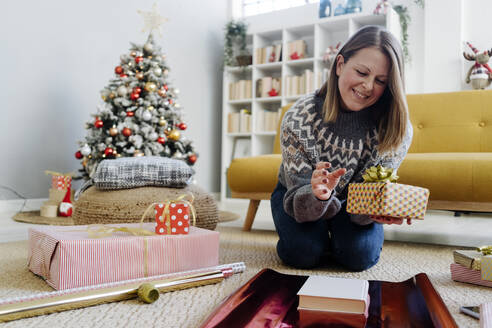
<point>318,36</point>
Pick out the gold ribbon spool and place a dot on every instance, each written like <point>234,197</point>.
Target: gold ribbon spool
<point>148,293</point>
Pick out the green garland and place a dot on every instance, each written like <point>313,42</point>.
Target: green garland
<point>235,32</point>
<point>405,19</point>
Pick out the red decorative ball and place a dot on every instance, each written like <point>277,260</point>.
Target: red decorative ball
<point>130,114</point>
<point>118,70</point>
<point>78,155</point>
<point>123,75</point>
<point>170,101</point>
<point>137,90</point>
<point>192,159</point>
<point>138,59</point>
<point>182,126</point>
<point>127,132</point>
<point>161,140</point>
<point>165,87</point>
<point>108,151</point>
<point>98,123</point>
<point>134,96</point>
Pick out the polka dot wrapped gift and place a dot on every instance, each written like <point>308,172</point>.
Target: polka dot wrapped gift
<point>380,196</point>
<point>173,217</point>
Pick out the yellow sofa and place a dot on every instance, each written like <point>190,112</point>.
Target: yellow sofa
<point>451,155</point>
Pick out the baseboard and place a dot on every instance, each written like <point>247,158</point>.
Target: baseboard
<point>15,205</point>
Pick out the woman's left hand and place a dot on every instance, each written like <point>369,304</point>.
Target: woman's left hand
<point>388,219</point>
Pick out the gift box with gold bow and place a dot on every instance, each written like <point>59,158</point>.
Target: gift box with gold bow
<point>173,217</point>
<point>379,195</point>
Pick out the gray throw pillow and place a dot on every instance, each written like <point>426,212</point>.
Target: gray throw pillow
<point>132,172</point>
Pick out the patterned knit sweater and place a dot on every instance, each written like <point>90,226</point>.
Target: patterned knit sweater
<point>348,143</point>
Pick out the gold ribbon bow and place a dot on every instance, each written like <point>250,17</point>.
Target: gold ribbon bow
<point>379,174</point>
<point>486,250</point>
<point>167,215</point>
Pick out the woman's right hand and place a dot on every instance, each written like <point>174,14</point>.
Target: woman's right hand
<point>323,182</point>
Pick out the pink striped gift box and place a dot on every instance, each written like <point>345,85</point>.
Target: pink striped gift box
<point>486,315</point>
<point>463,274</point>
<point>67,258</point>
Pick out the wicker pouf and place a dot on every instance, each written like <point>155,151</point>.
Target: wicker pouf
<point>96,206</point>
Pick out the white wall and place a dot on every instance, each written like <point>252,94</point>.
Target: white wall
<point>55,57</point>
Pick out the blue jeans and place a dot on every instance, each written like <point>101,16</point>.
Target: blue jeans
<point>310,244</point>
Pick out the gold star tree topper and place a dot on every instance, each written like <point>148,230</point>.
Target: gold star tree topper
<point>152,19</point>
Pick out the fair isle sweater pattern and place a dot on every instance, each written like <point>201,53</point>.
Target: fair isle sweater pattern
<point>348,143</point>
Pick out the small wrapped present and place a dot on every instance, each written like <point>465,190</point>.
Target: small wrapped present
<point>60,181</point>
<point>463,274</point>
<point>173,217</point>
<point>378,195</point>
<point>78,256</point>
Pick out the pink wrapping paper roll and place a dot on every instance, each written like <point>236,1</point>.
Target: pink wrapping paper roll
<point>67,258</point>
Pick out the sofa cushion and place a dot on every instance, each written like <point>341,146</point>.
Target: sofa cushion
<point>257,174</point>
<point>464,177</point>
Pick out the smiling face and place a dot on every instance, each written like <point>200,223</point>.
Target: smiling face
<point>362,79</point>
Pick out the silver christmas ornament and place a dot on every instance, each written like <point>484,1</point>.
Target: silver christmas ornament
<point>122,90</point>
<point>157,71</point>
<point>146,116</point>
<point>148,47</point>
<point>176,91</point>
<point>153,136</point>
<point>86,150</point>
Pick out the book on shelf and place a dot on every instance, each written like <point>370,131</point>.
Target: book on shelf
<point>241,89</point>
<point>269,54</point>
<point>300,84</point>
<point>267,121</point>
<point>266,84</point>
<point>324,293</point>
<point>239,122</point>
<point>296,49</point>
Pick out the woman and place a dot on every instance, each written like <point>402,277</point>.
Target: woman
<point>358,119</point>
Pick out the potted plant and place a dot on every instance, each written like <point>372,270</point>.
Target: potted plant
<point>235,43</point>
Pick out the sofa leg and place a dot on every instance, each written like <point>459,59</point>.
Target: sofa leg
<point>250,216</point>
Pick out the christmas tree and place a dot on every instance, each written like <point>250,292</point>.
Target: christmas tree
<point>140,115</point>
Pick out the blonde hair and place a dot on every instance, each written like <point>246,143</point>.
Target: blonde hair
<point>391,110</point>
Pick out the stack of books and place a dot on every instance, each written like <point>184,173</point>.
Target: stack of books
<point>299,85</point>
<point>268,87</point>
<point>267,121</point>
<point>270,54</point>
<point>296,49</point>
<point>338,301</point>
<point>472,267</point>
<point>240,90</point>
<point>239,122</point>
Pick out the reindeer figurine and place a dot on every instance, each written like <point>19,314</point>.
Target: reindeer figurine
<point>480,74</point>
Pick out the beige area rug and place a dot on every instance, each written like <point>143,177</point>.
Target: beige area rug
<point>187,308</point>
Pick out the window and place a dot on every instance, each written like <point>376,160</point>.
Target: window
<point>255,7</point>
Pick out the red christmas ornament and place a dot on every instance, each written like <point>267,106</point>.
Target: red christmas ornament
<point>161,140</point>
<point>118,70</point>
<point>192,159</point>
<point>137,90</point>
<point>130,114</point>
<point>127,132</point>
<point>108,151</point>
<point>78,155</point>
<point>134,96</point>
<point>170,101</point>
<point>182,126</point>
<point>98,123</point>
<point>123,75</point>
<point>165,87</point>
<point>138,59</point>
<point>273,93</point>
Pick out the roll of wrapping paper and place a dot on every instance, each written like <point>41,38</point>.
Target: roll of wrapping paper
<point>69,299</point>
